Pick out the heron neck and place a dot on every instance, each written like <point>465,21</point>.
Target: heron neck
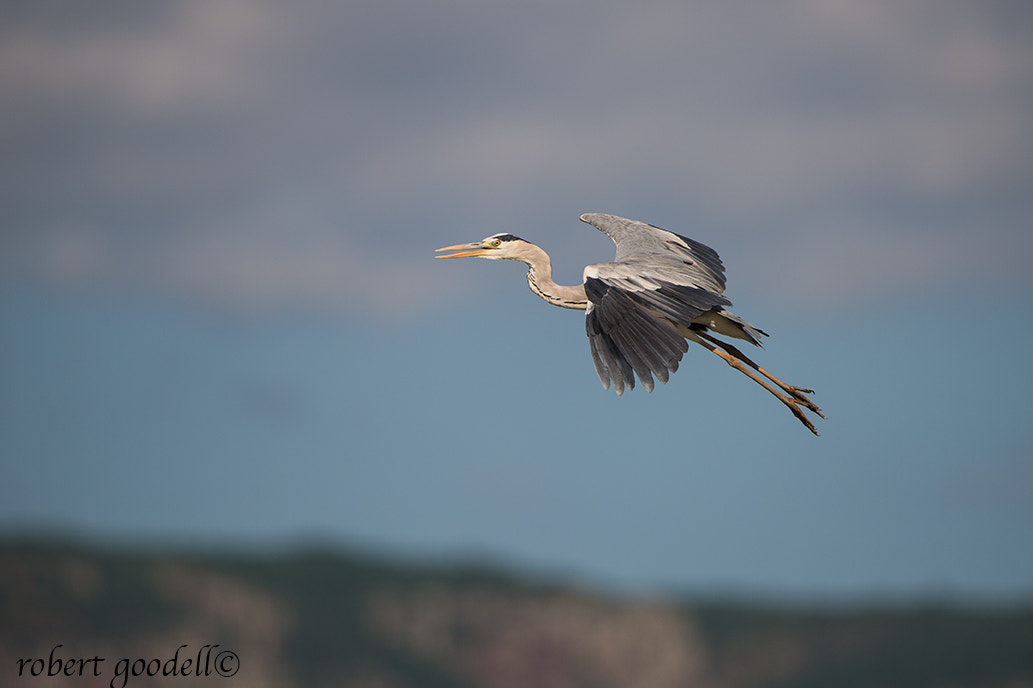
<point>539,278</point>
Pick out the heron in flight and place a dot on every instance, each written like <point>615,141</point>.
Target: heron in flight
<point>661,290</point>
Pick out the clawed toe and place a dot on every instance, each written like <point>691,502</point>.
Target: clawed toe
<point>799,395</point>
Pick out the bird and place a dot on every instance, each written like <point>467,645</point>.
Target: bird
<point>662,291</point>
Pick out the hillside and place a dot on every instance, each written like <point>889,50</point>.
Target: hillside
<point>332,619</point>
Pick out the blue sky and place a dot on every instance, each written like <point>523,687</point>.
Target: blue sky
<point>221,321</point>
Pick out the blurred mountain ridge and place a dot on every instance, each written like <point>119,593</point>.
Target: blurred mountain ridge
<point>334,618</point>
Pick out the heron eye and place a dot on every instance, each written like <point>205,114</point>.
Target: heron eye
<point>496,243</point>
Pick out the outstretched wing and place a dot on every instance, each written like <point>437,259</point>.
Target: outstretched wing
<point>638,242</point>
<point>658,280</point>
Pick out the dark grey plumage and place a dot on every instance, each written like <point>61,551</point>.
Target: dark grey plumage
<point>657,281</point>
<point>624,337</point>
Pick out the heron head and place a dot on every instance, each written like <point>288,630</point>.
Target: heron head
<point>495,247</point>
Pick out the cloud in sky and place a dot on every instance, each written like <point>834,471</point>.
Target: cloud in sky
<point>253,152</point>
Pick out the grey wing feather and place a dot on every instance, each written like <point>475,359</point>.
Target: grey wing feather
<point>641,242</point>
<point>631,327</point>
<point>658,279</point>
<point>625,339</point>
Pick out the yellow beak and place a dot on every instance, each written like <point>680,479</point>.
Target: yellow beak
<point>464,250</point>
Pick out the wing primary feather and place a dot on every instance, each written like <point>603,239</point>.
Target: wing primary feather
<point>602,369</point>
<point>658,283</point>
<point>609,365</point>
<point>626,341</point>
<point>628,338</point>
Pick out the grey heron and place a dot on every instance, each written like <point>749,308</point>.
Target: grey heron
<point>661,290</point>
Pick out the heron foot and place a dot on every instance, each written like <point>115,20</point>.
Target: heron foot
<point>798,412</point>
<point>799,395</point>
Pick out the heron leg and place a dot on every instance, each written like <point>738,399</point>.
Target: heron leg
<point>797,393</point>
<point>793,402</point>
